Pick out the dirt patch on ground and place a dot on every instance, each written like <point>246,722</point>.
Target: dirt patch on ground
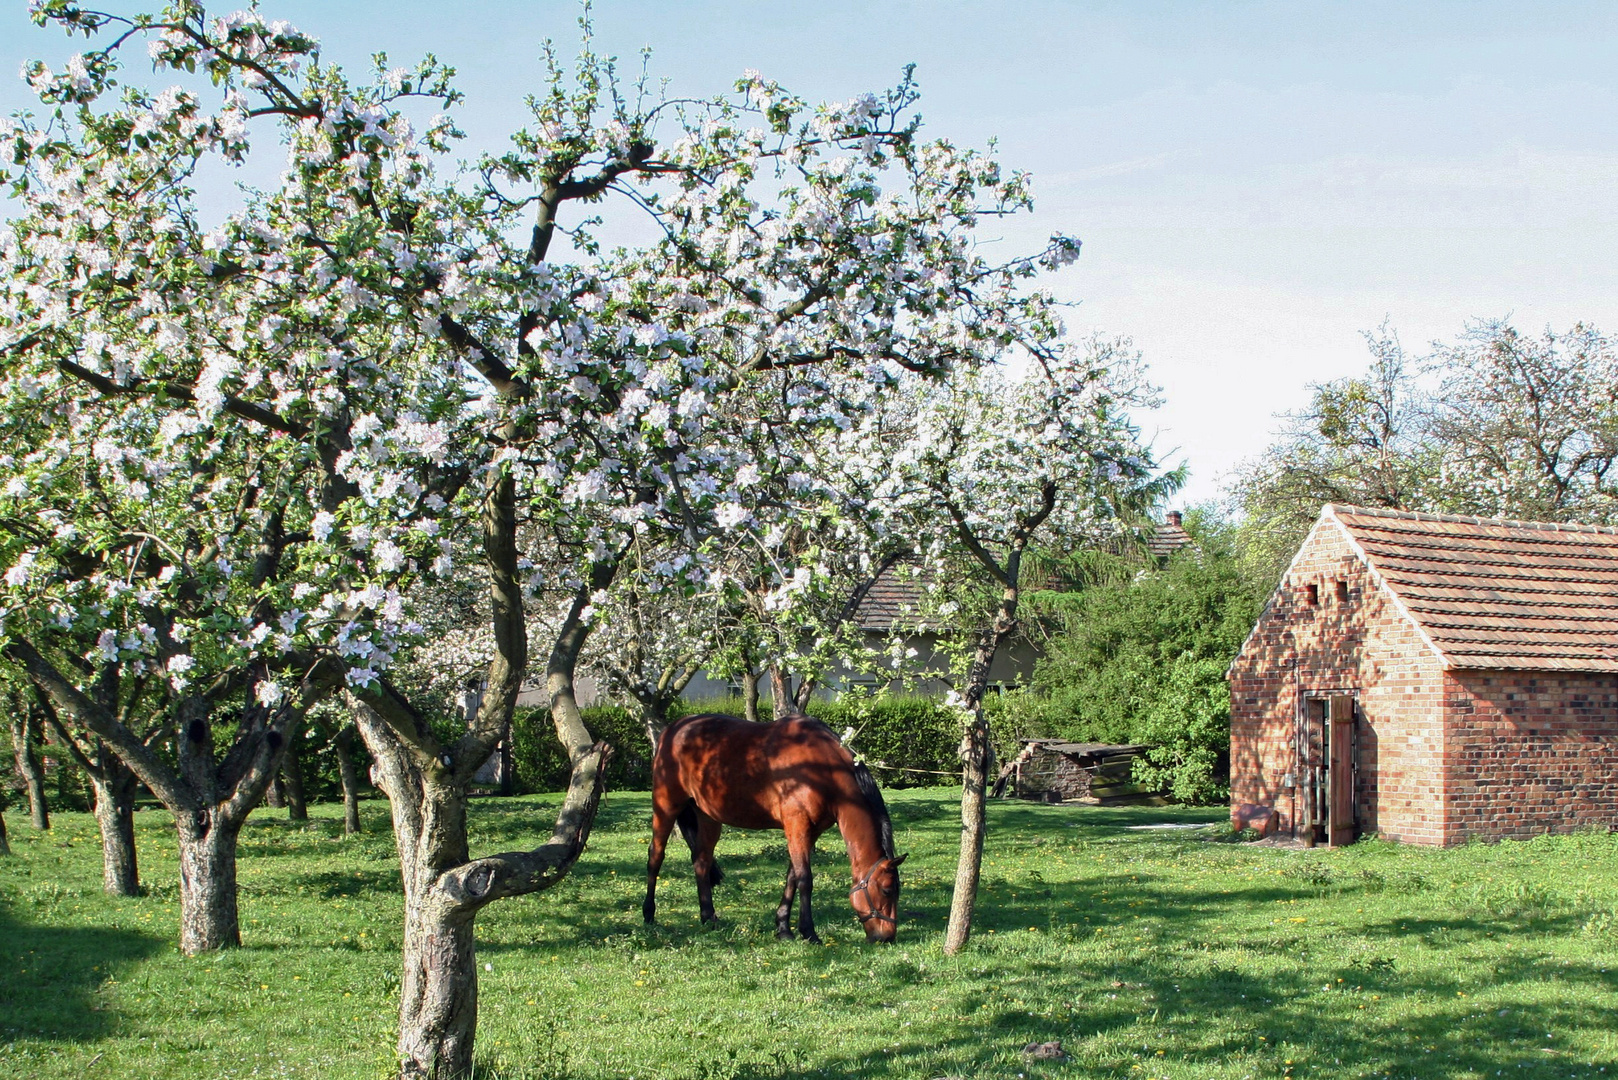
<point>1286,843</point>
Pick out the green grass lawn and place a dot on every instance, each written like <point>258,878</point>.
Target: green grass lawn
<point>1148,953</point>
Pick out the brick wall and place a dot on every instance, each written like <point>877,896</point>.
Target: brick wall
<point>1362,645</point>
<point>1530,753</point>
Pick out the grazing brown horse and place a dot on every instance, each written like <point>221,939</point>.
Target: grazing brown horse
<point>794,775</point>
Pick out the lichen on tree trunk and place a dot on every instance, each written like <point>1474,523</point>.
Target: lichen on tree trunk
<point>115,818</point>
<point>208,913</point>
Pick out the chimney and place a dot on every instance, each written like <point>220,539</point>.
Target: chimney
<point>1174,518</point>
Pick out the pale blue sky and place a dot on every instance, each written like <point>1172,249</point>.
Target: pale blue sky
<point>1255,183</point>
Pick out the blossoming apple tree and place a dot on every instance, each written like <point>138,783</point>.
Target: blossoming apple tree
<point>983,465</point>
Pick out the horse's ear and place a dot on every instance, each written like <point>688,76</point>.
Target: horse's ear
<point>901,859</point>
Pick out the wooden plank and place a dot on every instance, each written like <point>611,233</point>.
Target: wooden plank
<point>1341,826</point>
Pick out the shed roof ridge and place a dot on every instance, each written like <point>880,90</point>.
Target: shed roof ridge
<point>1567,549</point>
<point>1466,519</point>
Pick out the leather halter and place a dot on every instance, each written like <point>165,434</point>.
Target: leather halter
<point>864,886</point>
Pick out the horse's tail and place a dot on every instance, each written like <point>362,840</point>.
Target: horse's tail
<point>878,808</point>
<point>687,821</point>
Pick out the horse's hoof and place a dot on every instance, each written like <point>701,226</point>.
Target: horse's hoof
<point>783,935</point>
<point>812,938</point>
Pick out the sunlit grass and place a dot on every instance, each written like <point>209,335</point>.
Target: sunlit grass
<point>1148,953</point>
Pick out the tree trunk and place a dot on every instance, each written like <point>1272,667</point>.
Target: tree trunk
<point>115,817</point>
<point>438,997</point>
<point>439,983</point>
<point>351,780</point>
<point>976,760</point>
<point>275,796</point>
<point>292,769</point>
<point>29,768</point>
<point>804,694</point>
<point>975,772</point>
<point>209,800</point>
<point>438,989</point>
<point>425,783</point>
<point>5,844</point>
<point>654,717</point>
<point>507,768</point>
<point>750,696</point>
<point>780,691</point>
<point>444,888</point>
<point>208,914</point>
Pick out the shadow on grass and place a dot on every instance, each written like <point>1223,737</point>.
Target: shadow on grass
<point>1229,1023</point>
<point>49,976</point>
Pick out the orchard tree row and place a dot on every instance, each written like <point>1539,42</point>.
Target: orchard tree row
<point>259,462</point>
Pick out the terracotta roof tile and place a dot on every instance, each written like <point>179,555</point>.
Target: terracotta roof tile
<point>896,594</point>
<point>1166,539</point>
<point>1498,594</point>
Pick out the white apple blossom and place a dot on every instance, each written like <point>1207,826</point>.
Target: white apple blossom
<point>372,350</point>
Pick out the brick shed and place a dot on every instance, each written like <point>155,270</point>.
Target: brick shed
<point>1433,679</point>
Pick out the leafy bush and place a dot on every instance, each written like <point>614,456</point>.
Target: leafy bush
<point>1185,728</point>
<point>1142,660</point>
<point>894,734</point>
<point>541,765</point>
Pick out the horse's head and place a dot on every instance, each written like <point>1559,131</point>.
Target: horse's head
<point>876,900</point>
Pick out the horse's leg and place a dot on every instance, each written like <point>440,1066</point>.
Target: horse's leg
<point>783,910</point>
<point>800,848</point>
<point>662,825</point>
<point>702,863</point>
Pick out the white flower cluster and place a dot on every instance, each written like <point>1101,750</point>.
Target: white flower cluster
<point>278,438</point>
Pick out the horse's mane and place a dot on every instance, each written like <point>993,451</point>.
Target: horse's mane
<point>878,808</point>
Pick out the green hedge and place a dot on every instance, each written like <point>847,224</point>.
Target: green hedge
<point>540,765</point>
<point>896,734</point>
<point>899,733</point>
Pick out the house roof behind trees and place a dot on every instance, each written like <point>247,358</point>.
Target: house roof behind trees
<point>1168,537</point>
<point>898,591</point>
<point>896,594</point>
<point>1496,594</point>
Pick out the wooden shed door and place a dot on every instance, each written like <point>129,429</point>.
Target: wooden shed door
<point>1340,828</point>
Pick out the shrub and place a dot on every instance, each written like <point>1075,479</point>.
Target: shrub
<point>1186,727</point>
<point>892,733</point>
<point>540,764</point>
